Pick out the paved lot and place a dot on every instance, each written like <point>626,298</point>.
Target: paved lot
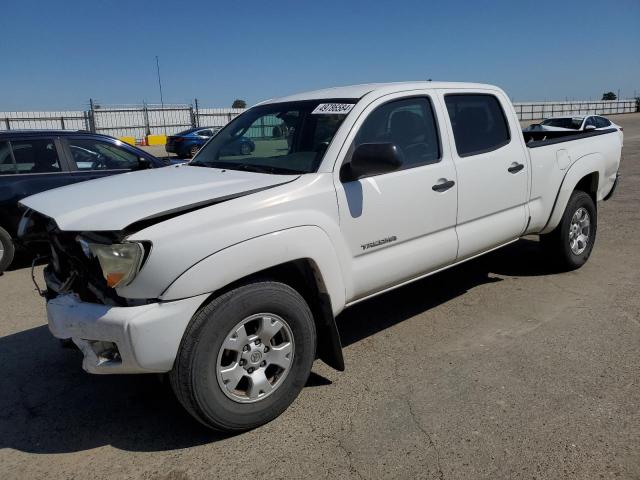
<point>499,368</point>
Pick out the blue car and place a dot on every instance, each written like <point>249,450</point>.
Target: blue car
<point>187,143</point>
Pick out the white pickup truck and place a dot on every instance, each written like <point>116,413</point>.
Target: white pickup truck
<point>228,272</point>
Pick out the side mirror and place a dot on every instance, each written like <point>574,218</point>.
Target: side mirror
<point>370,159</point>
<point>143,163</point>
<point>590,127</point>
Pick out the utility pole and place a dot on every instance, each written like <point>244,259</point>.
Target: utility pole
<point>164,121</point>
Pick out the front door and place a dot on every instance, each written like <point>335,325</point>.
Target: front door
<point>493,171</point>
<point>95,158</point>
<point>400,225</point>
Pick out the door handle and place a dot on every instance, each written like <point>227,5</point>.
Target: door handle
<point>443,185</point>
<point>515,167</point>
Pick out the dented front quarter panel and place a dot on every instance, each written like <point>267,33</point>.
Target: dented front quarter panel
<point>183,241</point>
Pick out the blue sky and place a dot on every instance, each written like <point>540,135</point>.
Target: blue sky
<point>58,54</point>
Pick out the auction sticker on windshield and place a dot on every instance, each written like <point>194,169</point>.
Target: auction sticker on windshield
<point>333,108</point>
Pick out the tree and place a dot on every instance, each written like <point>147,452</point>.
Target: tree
<point>238,103</point>
<point>609,96</point>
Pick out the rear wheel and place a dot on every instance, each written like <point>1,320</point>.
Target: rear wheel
<point>245,356</point>
<point>7,250</point>
<point>193,150</point>
<point>571,242</point>
<point>245,149</point>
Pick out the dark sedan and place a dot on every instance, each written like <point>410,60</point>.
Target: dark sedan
<point>32,161</point>
<point>187,143</point>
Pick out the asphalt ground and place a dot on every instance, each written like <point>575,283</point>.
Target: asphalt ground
<point>498,368</point>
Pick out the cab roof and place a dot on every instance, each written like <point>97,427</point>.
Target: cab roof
<point>358,91</point>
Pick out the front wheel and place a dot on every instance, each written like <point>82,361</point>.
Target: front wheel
<point>7,250</point>
<point>245,356</point>
<point>571,242</point>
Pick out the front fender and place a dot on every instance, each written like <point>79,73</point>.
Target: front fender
<point>582,167</point>
<point>256,254</point>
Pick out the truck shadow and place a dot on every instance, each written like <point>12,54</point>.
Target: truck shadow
<point>49,405</point>
<point>520,259</point>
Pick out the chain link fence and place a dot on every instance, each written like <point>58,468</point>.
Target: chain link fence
<point>123,120</point>
<point>540,110</point>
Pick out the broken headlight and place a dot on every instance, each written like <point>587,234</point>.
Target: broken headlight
<point>120,262</point>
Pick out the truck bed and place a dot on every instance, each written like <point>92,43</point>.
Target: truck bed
<point>539,138</point>
<point>553,154</point>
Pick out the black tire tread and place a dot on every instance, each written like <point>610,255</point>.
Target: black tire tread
<point>9,250</point>
<point>554,244</point>
<point>179,376</point>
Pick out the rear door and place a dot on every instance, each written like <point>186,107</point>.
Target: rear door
<point>492,169</point>
<point>28,165</point>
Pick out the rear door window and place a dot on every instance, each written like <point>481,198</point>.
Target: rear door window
<point>94,154</point>
<point>602,122</point>
<point>35,156</point>
<point>478,122</point>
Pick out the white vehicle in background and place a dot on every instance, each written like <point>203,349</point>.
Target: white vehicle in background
<point>578,123</point>
<point>228,272</point>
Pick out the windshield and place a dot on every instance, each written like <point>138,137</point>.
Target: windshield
<point>281,138</point>
<point>573,123</point>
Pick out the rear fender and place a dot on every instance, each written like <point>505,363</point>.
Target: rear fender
<point>587,165</point>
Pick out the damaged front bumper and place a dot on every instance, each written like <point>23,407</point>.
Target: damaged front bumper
<point>138,339</point>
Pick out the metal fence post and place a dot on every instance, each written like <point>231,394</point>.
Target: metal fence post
<point>192,116</point>
<point>145,115</point>
<point>196,117</point>
<point>91,118</point>
<point>62,123</point>
<point>6,120</point>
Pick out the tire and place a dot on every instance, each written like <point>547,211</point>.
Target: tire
<point>561,244</point>
<point>245,149</point>
<point>7,250</point>
<point>202,364</point>
<point>193,150</point>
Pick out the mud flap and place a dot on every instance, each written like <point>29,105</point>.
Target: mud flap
<point>329,344</point>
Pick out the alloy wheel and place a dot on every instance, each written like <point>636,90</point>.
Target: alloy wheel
<point>255,358</point>
<point>579,231</point>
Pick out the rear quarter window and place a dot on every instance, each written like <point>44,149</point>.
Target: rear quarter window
<point>479,123</point>
<point>7,166</point>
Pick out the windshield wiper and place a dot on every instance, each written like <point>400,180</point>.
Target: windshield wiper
<point>200,164</point>
<point>248,167</point>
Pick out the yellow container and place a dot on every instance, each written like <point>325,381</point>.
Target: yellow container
<point>156,139</point>
<point>129,140</point>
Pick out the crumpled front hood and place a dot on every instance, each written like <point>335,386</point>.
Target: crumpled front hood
<point>115,202</point>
